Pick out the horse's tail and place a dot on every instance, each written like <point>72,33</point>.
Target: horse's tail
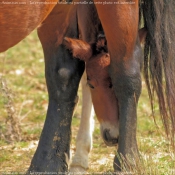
<point>159,57</point>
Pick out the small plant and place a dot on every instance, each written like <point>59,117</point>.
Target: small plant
<point>143,165</point>
<point>12,130</point>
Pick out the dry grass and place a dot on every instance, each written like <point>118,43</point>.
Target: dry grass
<point>23,70</point>
<point>12,130</point>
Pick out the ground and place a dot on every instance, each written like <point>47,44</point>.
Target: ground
<point>22,69</point>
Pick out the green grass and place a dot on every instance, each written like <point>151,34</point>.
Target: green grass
<point>23,69</point>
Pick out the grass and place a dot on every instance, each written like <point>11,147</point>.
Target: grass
<point>23,69</point>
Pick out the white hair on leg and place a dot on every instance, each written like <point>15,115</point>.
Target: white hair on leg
<point>84,137</point>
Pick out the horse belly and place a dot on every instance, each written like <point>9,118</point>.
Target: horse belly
<point>19,17</point>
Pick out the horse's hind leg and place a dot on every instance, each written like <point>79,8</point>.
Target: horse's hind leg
<point>84,137</point>
<point>120,25</point>
<point>63,74</point>
<point>62,78</point>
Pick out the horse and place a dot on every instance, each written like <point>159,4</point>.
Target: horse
<point>97,61</point>
<point>63,73</point>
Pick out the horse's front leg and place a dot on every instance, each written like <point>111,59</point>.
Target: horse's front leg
<point>84,137</point>
<point>120,24</point>
<point>63,74</point>
<point>127,85</point>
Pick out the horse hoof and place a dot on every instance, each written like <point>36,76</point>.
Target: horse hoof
<point>75,170</point>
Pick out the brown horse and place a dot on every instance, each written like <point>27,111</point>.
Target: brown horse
<point>97,61</point>
<point>120,22</point>
<point>97,58</point>
<point>105,103</point>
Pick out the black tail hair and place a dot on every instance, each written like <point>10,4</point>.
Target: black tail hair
<point>159,58</point>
